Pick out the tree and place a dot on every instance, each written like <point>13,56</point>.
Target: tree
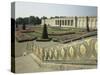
<point>51,17</point>
<point>87,25</point>
<point>32,20</point>
<point>19,20</point>
<point>26,20</point>
<point>16,24</point>
<point>38,20</point>
<point>44,17</point>
<point>56,16</point>
<point>24,26</point>
<point>45,32</point>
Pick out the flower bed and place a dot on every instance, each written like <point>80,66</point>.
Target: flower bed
<point>26,31</point>
<point>22,37</point>
<point>57,34</point>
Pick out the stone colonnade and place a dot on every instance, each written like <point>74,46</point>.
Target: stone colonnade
<point>75,21</point>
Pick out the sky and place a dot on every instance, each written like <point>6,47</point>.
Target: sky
<point>26,9</point>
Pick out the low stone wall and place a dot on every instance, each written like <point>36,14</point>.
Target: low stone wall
<point>78,52</point>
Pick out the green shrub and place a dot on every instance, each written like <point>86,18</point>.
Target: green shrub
<point>45,32</point>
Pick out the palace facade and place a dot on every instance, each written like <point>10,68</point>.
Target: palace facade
<point>72,21</point>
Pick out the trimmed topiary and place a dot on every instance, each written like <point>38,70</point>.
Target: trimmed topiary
<point>45,32</point>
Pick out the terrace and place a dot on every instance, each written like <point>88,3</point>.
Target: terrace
<point>69,46</point>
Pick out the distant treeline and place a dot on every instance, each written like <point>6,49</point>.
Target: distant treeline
<point>33,20</point>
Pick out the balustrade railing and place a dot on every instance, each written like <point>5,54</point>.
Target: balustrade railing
<point>83,52</point>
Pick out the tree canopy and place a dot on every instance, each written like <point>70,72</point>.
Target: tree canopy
<point>33,20</point>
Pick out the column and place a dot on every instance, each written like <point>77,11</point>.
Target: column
<point>68,22</point>
<point>55,22</point>
<point>75,21</point>
<point>61,22</point>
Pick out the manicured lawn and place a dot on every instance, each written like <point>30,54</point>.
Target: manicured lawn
<point>57,33</point>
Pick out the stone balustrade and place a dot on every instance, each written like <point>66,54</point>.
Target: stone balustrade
<point>78,52</point>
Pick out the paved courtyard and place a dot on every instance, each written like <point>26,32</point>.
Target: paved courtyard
<point>25,64</point>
